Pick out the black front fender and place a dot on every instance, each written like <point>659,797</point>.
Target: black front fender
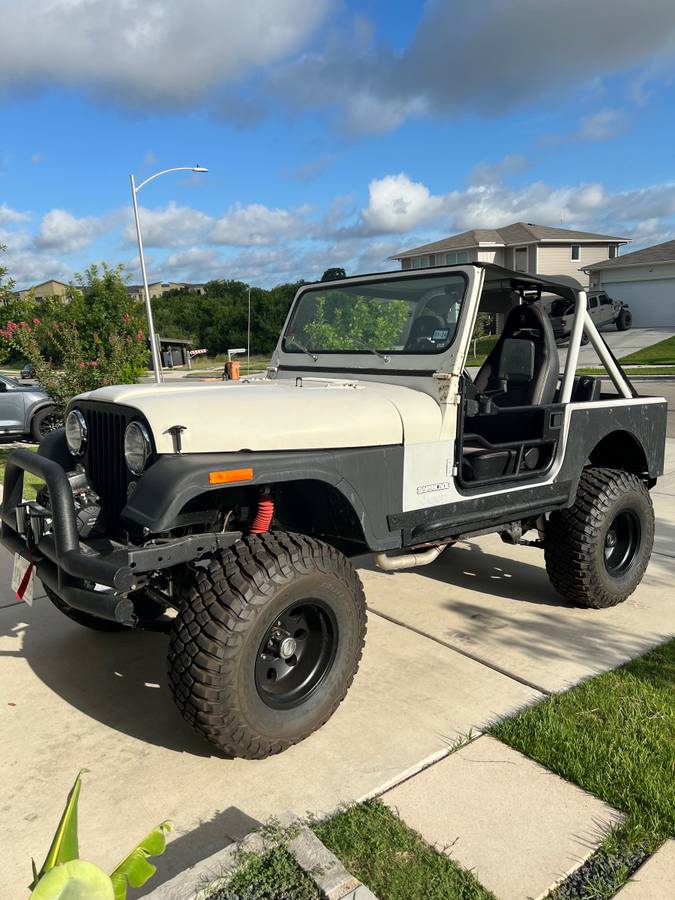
<point>369,478</point>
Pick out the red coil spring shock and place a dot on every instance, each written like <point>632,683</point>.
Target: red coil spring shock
<point>264,516</point>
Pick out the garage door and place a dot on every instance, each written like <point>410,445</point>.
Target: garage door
<point>652,302</point>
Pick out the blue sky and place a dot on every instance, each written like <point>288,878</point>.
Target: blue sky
<point>335,132</point>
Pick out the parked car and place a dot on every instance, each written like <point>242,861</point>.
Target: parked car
<point>26,409</point>
<point>237,506</point>
<point>602,310</point>
<point>28,372</point>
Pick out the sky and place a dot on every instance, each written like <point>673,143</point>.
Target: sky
<point>336,133</point>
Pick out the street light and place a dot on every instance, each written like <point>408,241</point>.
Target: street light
<point>135,188</point>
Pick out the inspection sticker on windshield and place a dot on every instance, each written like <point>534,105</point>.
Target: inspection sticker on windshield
<point>23,578</point>
<point>440,334</point>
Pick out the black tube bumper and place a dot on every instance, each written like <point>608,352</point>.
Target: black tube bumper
<point>63,561</point>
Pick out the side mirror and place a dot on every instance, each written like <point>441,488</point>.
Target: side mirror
<point>516,362</point>
<point>3,387</point>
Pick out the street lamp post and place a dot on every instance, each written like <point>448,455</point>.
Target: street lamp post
<point>135,188</point>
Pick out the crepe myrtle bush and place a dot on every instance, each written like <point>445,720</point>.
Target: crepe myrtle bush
<point>116,358</point>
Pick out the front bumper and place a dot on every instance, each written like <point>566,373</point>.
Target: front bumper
<point>94,576</point>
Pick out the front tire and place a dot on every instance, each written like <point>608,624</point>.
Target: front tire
<point>44,422</point>
<point>597,550</point>
<point>266,643</point>
<point>624,320</point>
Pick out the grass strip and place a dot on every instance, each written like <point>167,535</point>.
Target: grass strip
<point>614,736</point>
<point>394,861</point>
<point>662,353</point>
<point>643,371</point>
<point>267,876</point>
<point>31,483</point>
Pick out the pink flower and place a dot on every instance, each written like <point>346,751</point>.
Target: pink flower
<point>82,365</point>
<point>140,336</point>
<point>93,364</point>
<point>36,321</point>
<point>126,317</point>
<point>23,324</point>
<point>11,326</point>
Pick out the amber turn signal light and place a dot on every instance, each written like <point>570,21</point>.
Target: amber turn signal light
<point>226,476</point>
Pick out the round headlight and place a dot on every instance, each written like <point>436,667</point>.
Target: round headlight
<point>137,447</point>
<point>76,432</point>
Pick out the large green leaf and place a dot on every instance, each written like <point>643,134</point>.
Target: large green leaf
<point>135,868</point>
<point>64,845</point>
<point>74,880</point>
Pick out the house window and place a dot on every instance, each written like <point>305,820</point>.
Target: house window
<point>420,262</point>
<point>456,257</point>
<point>576,252</point>
<point>612,251</point>
<point>521,259</point>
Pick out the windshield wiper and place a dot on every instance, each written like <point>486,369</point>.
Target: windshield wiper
<point>304,349</point>
<point>371,349</point>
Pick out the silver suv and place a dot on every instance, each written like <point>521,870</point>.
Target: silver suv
<point>26,409</point>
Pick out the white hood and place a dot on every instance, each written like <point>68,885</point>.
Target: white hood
<point>279,415</point>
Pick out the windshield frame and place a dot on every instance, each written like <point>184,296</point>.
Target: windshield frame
<point>380,278</point>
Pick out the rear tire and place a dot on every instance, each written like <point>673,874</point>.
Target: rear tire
<point>266,643</point>
<point>597,550</point>
<point>624,320</point>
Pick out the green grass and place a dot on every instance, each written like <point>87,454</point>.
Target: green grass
<point>268,876</point>
<point>662,353</point>
<point>394,861</point>
<point>614,736</point>
<point>30,482</point>
<point>482,346</point>
<point>646,370</point>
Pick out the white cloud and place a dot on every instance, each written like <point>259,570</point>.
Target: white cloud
<point>63,232</point>
<point>256,224</point>
<point>171,226</point>
<point>163,51</point>
<point>11,216</point>
<point>602,125</point>
<point>398,204</point>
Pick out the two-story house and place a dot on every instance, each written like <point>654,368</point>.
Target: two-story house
<point>537,249</point>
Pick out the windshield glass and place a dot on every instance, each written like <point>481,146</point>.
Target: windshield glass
<point>416,315</point>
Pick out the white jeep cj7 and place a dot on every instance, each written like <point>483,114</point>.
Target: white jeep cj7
<point>227,514</point>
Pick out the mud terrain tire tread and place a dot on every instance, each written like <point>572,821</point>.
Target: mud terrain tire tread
<point>218,608</point>
<point>572,536</point>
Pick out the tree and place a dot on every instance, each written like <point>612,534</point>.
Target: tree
<point>6,283</point>
<point>333,274</point>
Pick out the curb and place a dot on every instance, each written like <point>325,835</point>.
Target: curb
<point>325,869</point>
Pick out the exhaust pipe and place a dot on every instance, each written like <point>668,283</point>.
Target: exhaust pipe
<point>408,560</point>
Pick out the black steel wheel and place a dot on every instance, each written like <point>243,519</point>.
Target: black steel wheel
<point>45,421</point>
<point>622,542</point>
<point>266,642</point>
<point>597,550</point>
<point>296,653</point>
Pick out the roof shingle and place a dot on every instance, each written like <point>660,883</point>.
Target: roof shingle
<point>517,233</point>
<point>659,253</point>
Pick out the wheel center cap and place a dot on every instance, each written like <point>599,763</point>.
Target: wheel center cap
<point>610,540</point>
<point>287,648</point>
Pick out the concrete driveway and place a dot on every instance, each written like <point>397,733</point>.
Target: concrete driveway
<point>450,647</point>
<point>621,342</point>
